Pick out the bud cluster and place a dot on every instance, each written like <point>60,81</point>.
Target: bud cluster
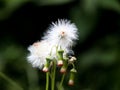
<point>62,62</point>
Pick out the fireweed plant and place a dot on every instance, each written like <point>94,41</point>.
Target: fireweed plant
<point>55,51</point>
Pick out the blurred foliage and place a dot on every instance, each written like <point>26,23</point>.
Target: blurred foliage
<point>97,50</point>
<point>8,6</point>
<point>51,2</point>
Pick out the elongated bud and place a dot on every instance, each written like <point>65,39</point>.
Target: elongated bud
<point>60,62</point>
<point>64,67</point>
<point>71,82</point>
<point>72,76</point>
<point>45,69</point>
<point>63,70</point>
<point>46,66</point>
<point>60,57</point>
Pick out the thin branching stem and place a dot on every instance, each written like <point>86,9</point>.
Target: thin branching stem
<point>47,80</point>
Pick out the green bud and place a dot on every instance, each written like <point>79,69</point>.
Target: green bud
<point>60,57</point>
<point>60,54</point>
<point>47,64</point>
<point>64,67</point>
<point>72,76</point>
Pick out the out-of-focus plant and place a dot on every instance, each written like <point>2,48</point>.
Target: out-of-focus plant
<point>9,6</point>
<point>89,6</point>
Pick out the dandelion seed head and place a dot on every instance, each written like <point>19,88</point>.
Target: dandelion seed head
<point>62,33</point>
<point>38,52</point>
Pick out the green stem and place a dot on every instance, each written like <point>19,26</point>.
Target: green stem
<point>61,82</point>
<point>47,80</point>
<point>53,76</point>
<point>73,65</point>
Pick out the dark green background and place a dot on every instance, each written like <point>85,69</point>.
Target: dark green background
<point>23,22</point>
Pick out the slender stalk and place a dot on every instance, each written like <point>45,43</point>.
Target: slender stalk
<point>53,76</point>
<point>61,82</point>
<point>47,81</point>
<point>73,65</point>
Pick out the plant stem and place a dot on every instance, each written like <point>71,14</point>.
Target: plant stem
<point>61,82</point>
<point>53,75</point>
<point>47,80</point>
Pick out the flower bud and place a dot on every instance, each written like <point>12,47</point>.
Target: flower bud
<point>71,82</point>
<point>60,62</point>
<point>64,67</point>
<point>63,70</point>
<point>46,66</point>
<point>60,57</point>
<point>72,76</point>
<point>45,69</point>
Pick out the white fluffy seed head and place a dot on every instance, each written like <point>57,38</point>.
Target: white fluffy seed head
<point>62,33</point>
<point>38,53</point>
